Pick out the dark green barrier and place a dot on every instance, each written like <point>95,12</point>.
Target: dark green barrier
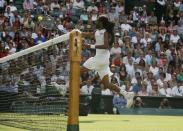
<point>6,99</point>
<point>104,105</point>
<point>152,111</point>
<point>149,102</point>
<point>154,102</point>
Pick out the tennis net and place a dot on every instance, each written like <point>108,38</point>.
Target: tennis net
<point>34,86</point>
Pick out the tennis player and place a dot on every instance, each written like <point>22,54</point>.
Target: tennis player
<point>100,62</point>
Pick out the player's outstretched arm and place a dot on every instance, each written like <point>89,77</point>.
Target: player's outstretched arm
<point>88,34</point>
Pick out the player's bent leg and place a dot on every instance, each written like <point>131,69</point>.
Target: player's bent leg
<point>127,95</point>
<point>105,81</point>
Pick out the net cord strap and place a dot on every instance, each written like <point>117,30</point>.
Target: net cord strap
<point>43,45</point>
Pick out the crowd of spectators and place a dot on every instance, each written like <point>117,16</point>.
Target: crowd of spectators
<point>146,56</point>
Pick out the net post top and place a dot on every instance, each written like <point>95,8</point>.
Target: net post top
<point>75,45</point>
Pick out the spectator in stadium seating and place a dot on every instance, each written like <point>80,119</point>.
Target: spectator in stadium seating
<point>119,8</point>
<point>11,49</point>
<point>140,58</point>
<point>146,40</point>
<point>181,6</point>
<point>115,78</point>
<point>149,79</point>
<point>161,80</point>
<point>118,38</point>
<point>134,79</point>
<point>138,103</point>
<point>115,49</point>
<point>87,89</point>
<point>85,54</point>
<point>173,82</point>
<point>92,7</point>
<point>174,37</point>
<point>11,6</point>
<point>78,4</point>
<point>29,23</point>
<point>154,91</point>
<point>101,9</point>
<point>176,5</point>
<point>138,85</point>
<point>128,57</point>
<point>166,90</point>
<point>118,102</point>
<point>3,52</point>
<point>49,89</point>
<point>143,90</point>
<point>130,68</point>
<point>152,19</point>
<point>40,38</point>
<point>28,4</point>
<point>154,68</point>
<point>56,76</point>
<point>93,16</point>
<point>2,5</point>
<point>117,60</point>
<point>2,19</point>
<point>125,26</point>
<point>112,15</point>
<point>164,104</point>
<point>61,86</point>
<point>141,68</point>
<point>8,14</point>
<point>122,73</point>
<point>54,5</point>
<point>178,90</point>
<point>23,84</point>
<point>179,74</point>
<point>84,17</point>
<point>34,86</point>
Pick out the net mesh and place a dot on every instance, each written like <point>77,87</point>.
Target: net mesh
<point>34,86</point>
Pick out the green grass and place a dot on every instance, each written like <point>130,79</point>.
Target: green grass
<point>119,123</point>
<point>7,128</point>
<point>33,122</point>
<point>130,123</point>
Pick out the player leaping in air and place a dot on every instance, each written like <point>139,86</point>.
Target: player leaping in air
<point>100,62</point>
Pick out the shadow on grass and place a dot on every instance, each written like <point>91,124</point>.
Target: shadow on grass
<point>101,120</point>
<point>125,120</point>
<point>87,121</point>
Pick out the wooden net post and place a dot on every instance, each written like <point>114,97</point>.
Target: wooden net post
<point>74,91</point>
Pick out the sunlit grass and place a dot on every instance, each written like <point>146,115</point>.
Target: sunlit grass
<point>102,122</point>
<point>130,123</point>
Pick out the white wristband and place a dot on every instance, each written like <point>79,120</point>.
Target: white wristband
<point>92,46</point>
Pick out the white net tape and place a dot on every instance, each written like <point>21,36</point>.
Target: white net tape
<point>36,47</point>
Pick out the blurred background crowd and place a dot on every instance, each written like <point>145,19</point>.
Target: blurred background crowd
<point>146,56</point>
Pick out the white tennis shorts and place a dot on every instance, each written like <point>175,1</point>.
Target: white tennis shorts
<point>100,65</point>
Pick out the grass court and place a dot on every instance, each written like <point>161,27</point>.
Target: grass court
<point>105,122</point>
